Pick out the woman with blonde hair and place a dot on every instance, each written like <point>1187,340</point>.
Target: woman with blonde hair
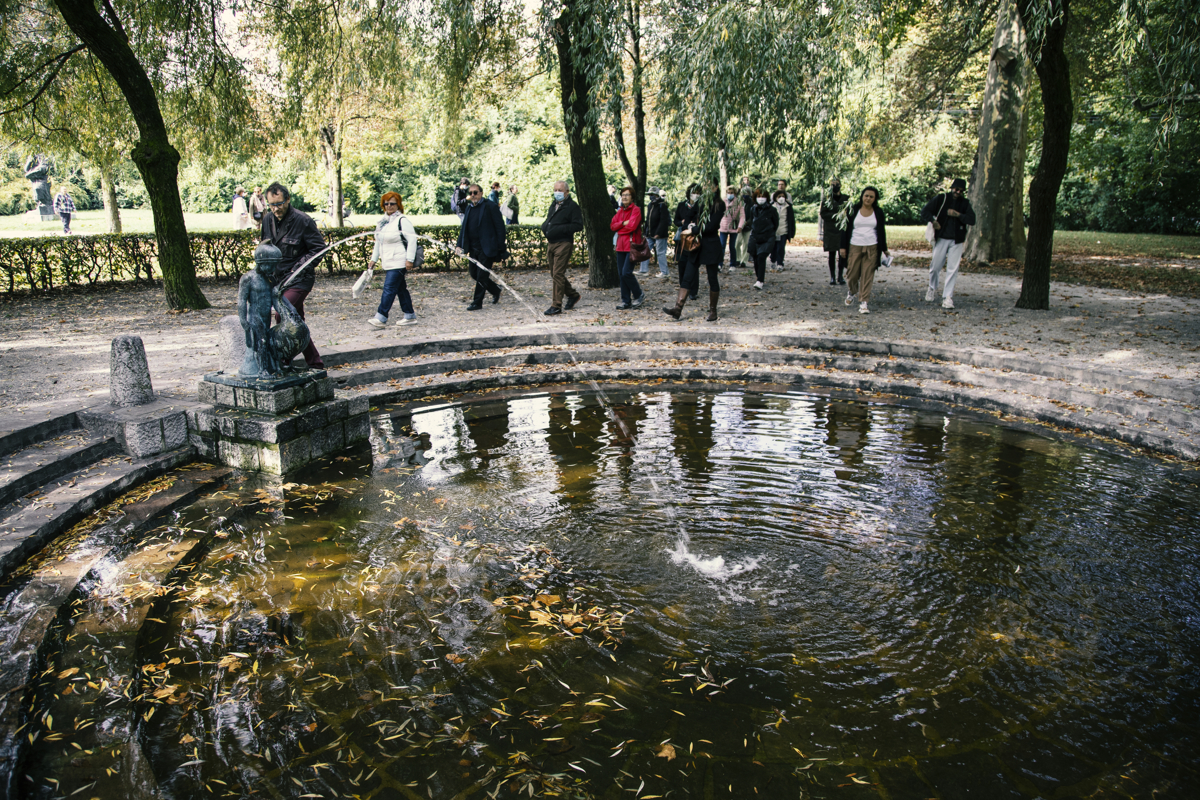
<point>395,251</point>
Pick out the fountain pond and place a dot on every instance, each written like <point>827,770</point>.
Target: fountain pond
<point>759,593</point>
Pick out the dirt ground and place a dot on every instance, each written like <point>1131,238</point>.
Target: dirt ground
<point>54,350</point>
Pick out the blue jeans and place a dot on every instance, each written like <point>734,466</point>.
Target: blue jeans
<point>630,288</point>
<point>394,285</point>
<point>657,247</point>
<point>731,237</point>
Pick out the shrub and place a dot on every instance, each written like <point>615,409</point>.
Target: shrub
<point>45,263</point>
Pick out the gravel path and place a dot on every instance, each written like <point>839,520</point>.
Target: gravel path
<point>54,351</point>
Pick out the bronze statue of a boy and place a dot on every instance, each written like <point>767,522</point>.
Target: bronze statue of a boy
<point>269,350</point>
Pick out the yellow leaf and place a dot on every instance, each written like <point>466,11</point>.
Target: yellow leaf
<point>667,752</point>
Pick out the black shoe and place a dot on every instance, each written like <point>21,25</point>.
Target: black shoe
<point>474,306</point>
<point>832,282</point>
<point>841,281</point>
<point>496,297</point>
<point>624,306</point>
<point>571,301</point>
<point>552,310</point>
<point>691,295</point>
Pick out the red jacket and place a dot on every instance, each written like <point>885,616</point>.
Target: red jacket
<point>627,223</point>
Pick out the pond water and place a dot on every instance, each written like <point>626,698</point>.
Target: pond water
<point>757,594</point>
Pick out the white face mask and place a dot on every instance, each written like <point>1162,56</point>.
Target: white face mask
<point>762,201</point>
<point>695,197</point>
<point>781,200</point>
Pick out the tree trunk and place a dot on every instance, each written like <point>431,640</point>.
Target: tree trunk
<point>587,164</point>
<point>331,152</point>
<point>156,159</point>
<point>1057,110</point>
<point>723,169</point>
<point>998,179</point>
<point>108,189</point>
<point>636,177</point>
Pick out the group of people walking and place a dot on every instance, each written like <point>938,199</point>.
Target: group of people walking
<point>743,226</point>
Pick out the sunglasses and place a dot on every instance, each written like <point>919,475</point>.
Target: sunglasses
<point>277,205</point>
<point>475,194</point>
<point>390,203</point>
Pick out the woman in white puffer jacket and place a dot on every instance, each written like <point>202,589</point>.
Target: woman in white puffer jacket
<point>395,250</point>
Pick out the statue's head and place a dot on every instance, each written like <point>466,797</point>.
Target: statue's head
<point>266,256</point>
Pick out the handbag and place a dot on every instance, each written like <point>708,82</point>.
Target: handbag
<point>930,233</point>
<point>258,216</point>
<point>639,251</point>
<point>689,241</point>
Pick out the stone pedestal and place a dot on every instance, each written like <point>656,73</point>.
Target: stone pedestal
<point>274,425</point>
<point>46,213</point>
<point>128,373</point>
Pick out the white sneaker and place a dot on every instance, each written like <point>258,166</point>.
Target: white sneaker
<point>375,321</point>
<point>862,308</point>
<point>758,284</point>
<point>408,321</point>
<point>850,299</point>
<point>947,303</point>
<point>929,295</point>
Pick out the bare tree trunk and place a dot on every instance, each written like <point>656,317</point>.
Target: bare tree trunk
<point>635,176</point>
<point>331,152</point>
<point>156,159</point>
<point>723,169</point>
<point>108,189</point>
<point>587,164</point>
<point>1058,110</point>
<point>998,180</point>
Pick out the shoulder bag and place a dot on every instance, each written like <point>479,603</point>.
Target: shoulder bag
<point>930,233</point>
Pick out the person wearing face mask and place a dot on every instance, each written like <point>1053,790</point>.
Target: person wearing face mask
<point>458,199</point>
<point>831,237</point>
<point>483,238</point>
<point>627,225</point>
<point>785,230</point>
<point>764,222</point>
<point>951,214</point>
<point>658,227</point>
<point>864,242</point>
<point>563,221</point>
<point>708,255</point>
<point>687,213</point>
<point>731,225</point>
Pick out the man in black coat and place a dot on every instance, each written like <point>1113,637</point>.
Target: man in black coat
<point>658,230</point>
<point>295,234</point>
<point>483,238</point>
<point>951,214</point>
<point>563,221</point>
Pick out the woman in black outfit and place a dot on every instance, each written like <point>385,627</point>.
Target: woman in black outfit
<point>708,253</point>
<point>831,235</point>
<point>764,222</point>
<point>686,214</point>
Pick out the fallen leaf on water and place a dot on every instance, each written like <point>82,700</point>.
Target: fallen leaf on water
<point>666,751</point>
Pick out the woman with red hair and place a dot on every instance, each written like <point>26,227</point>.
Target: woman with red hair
<point>395,250</point>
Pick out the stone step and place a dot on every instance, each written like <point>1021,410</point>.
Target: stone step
<point>28,613</point>
<point>29,524</point>
<point>18,431</point>
<point>41,462</point>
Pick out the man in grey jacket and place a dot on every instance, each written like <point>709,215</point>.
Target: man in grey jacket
<point>563,221</point>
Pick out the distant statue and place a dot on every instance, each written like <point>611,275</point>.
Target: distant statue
<point>37,171</point>
<point>269,350</point>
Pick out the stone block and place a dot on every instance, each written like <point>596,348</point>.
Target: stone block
<point>244,398</point>
<point>144,438</point>
<point>225,396</point>
<point>258,429</point>
<point>359,404</point>
<point>201,420</point>
<point>207,393</point>
<point>358,428</point>
<point>328,440</point>
<point>280,459</point>
<point>238,455</point>
<point>277,402</point>
<point>128,373</point>
<point>175,430</point>
<point>226,425</point>
<point>205,447</point>
<point>231,344</point>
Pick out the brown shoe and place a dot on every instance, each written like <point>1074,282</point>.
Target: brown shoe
<point>679,301</point>
<point>713,297</point>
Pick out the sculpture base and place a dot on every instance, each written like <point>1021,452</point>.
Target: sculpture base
<point>274,428</point>
<point>275,395</point>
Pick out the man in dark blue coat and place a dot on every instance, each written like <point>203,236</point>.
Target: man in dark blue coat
<point>483,238</point>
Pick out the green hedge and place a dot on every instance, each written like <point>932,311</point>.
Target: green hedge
<point>50,262</point>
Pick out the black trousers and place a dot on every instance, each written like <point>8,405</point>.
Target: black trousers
<point>483,279</point>
<point>689,273</point>
<point>834,255</point>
